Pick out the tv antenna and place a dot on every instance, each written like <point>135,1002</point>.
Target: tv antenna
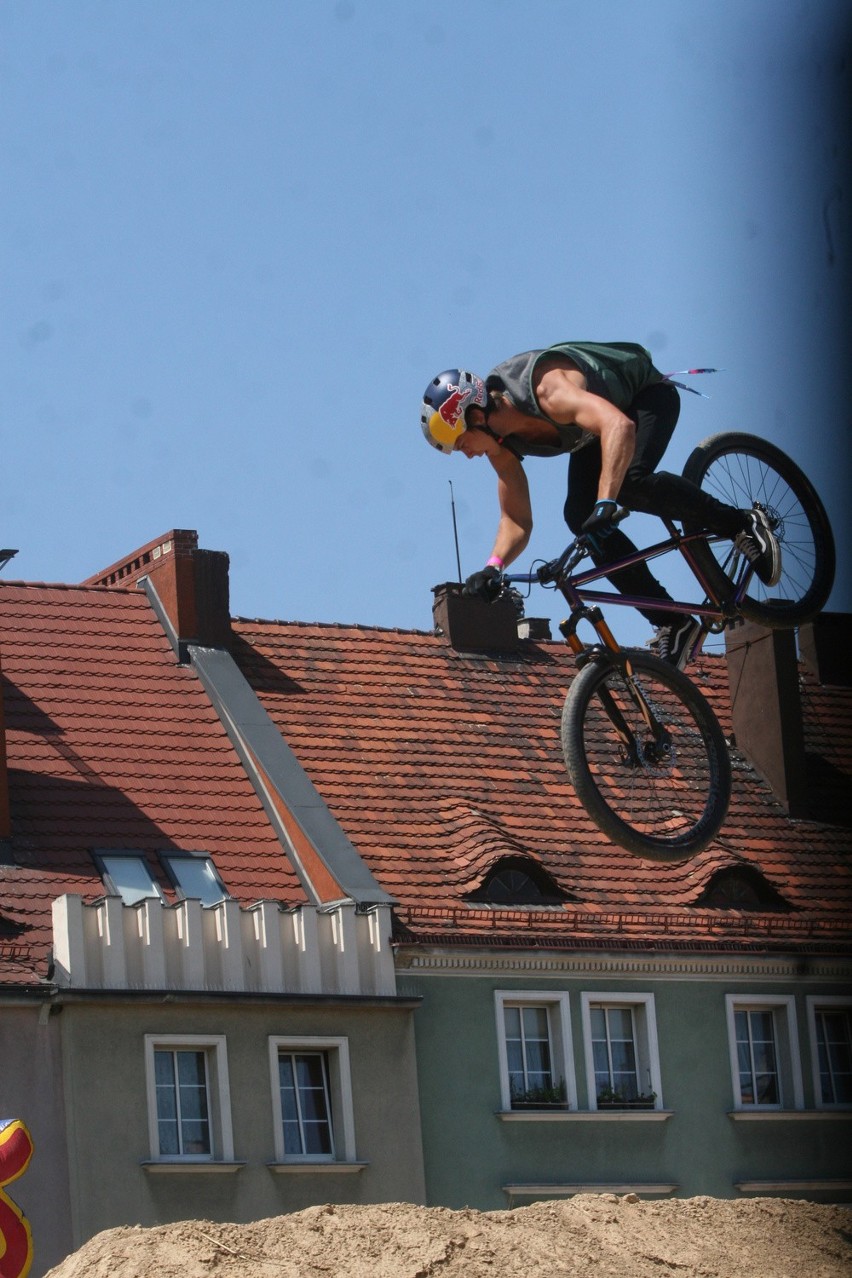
<point>455,528</point>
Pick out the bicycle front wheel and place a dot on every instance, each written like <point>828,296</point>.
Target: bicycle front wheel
<point>663,792</point>
<point>741,470</point>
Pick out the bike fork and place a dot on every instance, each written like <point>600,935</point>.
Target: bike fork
<point>619,660</point>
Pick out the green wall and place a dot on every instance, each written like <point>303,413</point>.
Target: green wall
<point>470,1153</point>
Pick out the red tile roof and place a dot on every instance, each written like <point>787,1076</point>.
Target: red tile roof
<point>112,744</point>
<point>439,763</point>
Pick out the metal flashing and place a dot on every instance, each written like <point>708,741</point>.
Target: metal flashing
<point>179,647</point>
<point>285,789</point>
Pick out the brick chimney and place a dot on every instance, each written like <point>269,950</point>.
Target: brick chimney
<point>471,624</point>
<point>825,646</point>
<point>191,585</point>
<point>766,709</point>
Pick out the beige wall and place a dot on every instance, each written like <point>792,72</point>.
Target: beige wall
<point>103,1050</point>
<point>31,1090</point>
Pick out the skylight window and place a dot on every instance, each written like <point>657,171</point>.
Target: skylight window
<point>195,877</point>
<point>128,875</point>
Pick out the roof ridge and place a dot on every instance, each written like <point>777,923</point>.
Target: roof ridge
<point>333,625</point>
<point>70,585</point>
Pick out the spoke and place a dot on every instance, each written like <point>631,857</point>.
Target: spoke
<point>663,796</point>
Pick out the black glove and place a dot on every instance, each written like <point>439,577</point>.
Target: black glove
<point>599,524</point>
<point>485,584</point>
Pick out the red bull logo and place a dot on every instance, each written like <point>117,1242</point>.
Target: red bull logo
<point>454,405</point>
<point>16,1243</point>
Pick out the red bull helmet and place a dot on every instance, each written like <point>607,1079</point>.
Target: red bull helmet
<point>445,403</point>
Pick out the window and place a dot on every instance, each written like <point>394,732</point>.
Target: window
<point>189,1117</point>
<point>740,888</point>
<point>756,1059</point>
<point>195,877</point>
<point>312,1100</point>
<point>622,1060</point>
<point>830,1020</point>
<point>128,875</point>
<point>517,880</point>
<point>305,1104</point>
<point>536,1069</point>
<point>183,1116</point>
<point>763,1042</point>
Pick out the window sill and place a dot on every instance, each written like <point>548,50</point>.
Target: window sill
<point>286,1169</point>
<point>162,1166</point>
<point>584,1115</point>
<point>788,1115</point>
<point>792,1186</point>
<point>585,1187</point>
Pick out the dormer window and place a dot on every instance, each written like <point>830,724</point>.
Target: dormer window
<point>518,881</point>
<point>194,876</point>
<point>740,888</point>
<point>128,875</point>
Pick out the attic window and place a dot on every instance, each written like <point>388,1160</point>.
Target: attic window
<point>740,889</point>
<point>195,876</point>
<point>128,875</point>
<point>518,881</point>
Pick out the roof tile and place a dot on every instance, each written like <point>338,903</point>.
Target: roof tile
<point>112,744</point>
<point>438,763</point>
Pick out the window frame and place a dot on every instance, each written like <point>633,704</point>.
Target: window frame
<point>645,1044</point>
<point>342,1115</point>
<point>102,855</point>
<point>816,1003</point>
<point>168,860</point>
<point>557,1004</point>
<point>786,1041</point>
<point>214,1047</point>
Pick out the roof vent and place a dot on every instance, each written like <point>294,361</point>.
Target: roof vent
<point>536,628</point>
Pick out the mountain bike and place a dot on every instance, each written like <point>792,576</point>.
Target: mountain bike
<point>644,751</point>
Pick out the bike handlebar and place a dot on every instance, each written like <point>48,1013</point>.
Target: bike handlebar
<point>570,557</point>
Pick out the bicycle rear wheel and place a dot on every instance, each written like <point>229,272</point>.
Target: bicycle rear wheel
<point>740,470</point>
<point>666,796</point>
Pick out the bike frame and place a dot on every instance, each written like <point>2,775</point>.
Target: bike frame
<point>713,611</point>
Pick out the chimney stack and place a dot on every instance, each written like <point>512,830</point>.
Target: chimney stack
<point>825,645</point>
<point>472,625</point>
<point>763,676</point>
<point>191,585</point>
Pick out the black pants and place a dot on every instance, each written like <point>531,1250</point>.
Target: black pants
<point>654,411</point>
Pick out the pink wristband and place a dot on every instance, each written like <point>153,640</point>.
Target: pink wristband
<point>495,562</point>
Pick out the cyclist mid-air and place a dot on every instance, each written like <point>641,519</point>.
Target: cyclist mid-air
<point>613,412</point>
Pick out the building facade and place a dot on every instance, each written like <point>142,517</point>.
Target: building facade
<point>294,914</point>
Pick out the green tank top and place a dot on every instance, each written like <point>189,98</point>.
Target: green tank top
<point>617,371</point>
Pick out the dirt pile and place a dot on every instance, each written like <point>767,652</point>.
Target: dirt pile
<point>591,1235</point>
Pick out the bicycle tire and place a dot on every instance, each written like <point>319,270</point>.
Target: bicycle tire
<point>740,470</point>
<point>664,809</point>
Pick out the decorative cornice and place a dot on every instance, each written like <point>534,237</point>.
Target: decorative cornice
<point>696,967</point>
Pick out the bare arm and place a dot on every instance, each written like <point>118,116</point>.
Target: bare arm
<point>563,397</point>
<point>515,527</point>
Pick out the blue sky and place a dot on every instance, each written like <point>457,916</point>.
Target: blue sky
<point>240,236</point>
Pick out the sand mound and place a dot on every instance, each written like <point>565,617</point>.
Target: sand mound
<point>591,1235</point>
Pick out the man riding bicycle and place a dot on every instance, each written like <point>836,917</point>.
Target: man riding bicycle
<point>613,412</point>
